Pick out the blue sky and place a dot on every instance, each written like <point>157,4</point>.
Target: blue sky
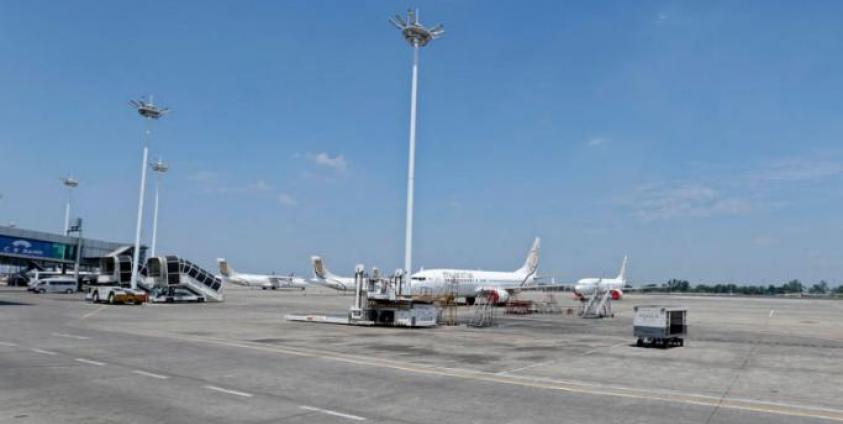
<point>700,138</point>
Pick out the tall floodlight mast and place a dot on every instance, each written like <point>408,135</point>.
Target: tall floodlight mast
<point>150,112</point>
<point>70,183</point>
<point>418,36</point>
<point>160,168</point>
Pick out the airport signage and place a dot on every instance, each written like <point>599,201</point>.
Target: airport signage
<point>32,248</point>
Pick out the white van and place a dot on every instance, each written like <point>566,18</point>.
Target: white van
<point>56,285</point>
<point>36,277</point>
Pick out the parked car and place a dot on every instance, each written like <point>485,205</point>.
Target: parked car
<point>56,285</point>
<point>36,277</point>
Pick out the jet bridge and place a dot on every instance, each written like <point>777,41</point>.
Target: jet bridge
<point>165,272</point>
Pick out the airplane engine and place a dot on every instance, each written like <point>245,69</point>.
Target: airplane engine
<point>496,295</point>
<point>616,294</point>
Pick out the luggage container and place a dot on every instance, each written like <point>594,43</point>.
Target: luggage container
<point>660,325</point>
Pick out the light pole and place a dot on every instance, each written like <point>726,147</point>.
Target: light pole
<point>418,36</point>
<point>70,183</point>
<point>160,168</point>
<point>77,228</point>
<point>150,112</point>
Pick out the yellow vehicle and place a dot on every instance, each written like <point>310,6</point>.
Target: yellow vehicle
<point>116,294</point>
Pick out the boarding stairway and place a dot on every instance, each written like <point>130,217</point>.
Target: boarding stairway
<point>166,272</point>
<point>598,305</point>
<point>483,313</point>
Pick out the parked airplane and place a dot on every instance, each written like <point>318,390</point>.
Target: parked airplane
<point>323,277</point>
<point>587,286</point>
<point>470,283</point>
<point>263,281</point>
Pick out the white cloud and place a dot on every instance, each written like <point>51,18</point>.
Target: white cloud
<point>596,142</point>
<point>675,200</point>
<point>203,176</point>
<point>287,200</point>
<point>337,163</point>
<point>259,186</point>
<point>733,192</point>
<point>797,169</point>
<point>764,240</point>
<point>210,182</point>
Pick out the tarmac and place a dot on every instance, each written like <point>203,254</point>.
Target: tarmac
<point>746,360</point>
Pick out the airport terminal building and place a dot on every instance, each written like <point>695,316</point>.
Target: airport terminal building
<point>28,248</point>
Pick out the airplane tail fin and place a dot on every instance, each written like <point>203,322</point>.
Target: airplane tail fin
<point>532,262</point>
<point>622,273</point>
<point>225,269</point>
<point>319,268</point>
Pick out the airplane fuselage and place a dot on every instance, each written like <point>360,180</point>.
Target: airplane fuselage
<point>266,281</point>
<point>336,283</point>
<point>586,287</point>
<point>464,283</point>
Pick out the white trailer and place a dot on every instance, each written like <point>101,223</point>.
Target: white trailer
<point>660,325</point>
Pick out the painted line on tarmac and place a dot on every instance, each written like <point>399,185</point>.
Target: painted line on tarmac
<point>70,336</point>
<point>90,362</point>
<point>149,374</point>
<point>334,413</point>
<point>807,411</point>
<point>90,314</point>
<point>46,352</point>
<point>604,347</point>
<point>7,344</point>
<point>526,367</point>
<point>231,392</point>
<point>772,311</point>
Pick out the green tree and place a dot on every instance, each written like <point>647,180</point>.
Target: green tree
<point>819,288</point>
<point>678,285</point>
<point>793,286</point>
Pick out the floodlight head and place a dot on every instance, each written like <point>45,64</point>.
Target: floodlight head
<point>159,166</point>
<point>147,109</point>
<point>70,182</point>
<point>413,31</point>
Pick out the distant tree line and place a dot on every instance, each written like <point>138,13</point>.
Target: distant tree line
<point>791,287</point>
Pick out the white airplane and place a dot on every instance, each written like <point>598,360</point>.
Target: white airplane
<point>263,281</point>
<point>470,283</point>
<point>587,286</point>
<point>323,277</point>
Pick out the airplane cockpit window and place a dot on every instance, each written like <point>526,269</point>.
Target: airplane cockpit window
<point>419,278</point>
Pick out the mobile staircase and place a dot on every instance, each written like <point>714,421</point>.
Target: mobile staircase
<point>483,314</point>
<point>166,272</point>
<point>598,306</point>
